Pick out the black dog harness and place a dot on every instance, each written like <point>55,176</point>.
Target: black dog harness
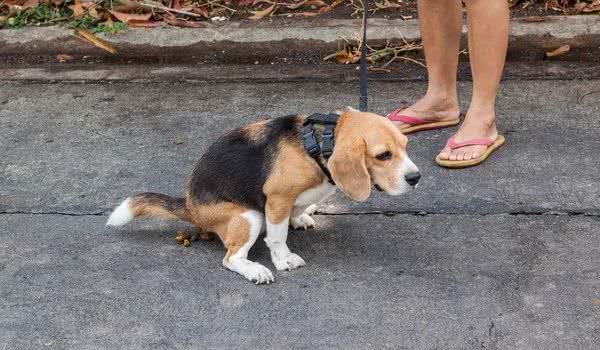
<point>320,147</point>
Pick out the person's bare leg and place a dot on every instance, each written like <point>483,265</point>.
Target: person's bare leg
<point>488,22</point>
<point>441,23</point>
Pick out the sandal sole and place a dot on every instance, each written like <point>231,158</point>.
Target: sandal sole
<point>459,164</point>
<point>428,126</point>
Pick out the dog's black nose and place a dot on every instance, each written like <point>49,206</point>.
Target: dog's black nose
<point>413,178</point>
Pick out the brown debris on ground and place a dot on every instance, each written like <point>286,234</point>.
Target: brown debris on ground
<point>111,16</point>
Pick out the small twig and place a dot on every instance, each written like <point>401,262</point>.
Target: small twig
<point>153,5</point>
<point>390,61</point>
<point>379,69</point>
<point>225,7</point>
<point>328,57</point>
<point>413,61</point>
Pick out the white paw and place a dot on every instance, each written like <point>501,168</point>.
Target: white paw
<point>289,262</point>
<point>311,209</point>
<point>258,274</point>
<point>251,270</point>
<point>302,222</point>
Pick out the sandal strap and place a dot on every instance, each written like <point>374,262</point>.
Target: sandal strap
<point>395,117</point>
<point>472,142</point>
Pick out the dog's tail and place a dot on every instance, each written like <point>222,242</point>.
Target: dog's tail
<point>149,204</point>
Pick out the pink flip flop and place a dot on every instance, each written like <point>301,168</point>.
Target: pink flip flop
<point>491,144</point>
<point>414,124</point>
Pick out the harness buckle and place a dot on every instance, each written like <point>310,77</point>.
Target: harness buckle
<point>310,143</point>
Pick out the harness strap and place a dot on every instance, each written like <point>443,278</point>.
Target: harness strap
<point>320,147</point>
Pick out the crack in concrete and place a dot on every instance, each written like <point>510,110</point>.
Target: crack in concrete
<point>18,212</point>
<point>594,214</point>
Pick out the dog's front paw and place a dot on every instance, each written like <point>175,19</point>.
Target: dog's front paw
<point>257,273</point>
<point>302,222</point>
<point>311,209</point>
<point>289,262</point>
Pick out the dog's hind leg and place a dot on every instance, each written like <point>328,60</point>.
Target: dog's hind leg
<point>278,212</point>
<point>242,232</point>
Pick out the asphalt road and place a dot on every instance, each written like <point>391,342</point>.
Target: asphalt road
<point>502,256</point>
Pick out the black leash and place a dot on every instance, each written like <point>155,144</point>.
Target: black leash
<point>320,147</point>
<point>362,104</point>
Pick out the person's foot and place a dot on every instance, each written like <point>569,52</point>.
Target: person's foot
<point>432,109</point>
<point>478,123</point>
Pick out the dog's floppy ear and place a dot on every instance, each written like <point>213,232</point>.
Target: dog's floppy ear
<point>349,171</point>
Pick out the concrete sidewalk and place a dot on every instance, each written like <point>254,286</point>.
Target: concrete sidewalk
<point>502,256</point>
<point>371,282</point>
<point>296,40</point>
<point>81,148</point>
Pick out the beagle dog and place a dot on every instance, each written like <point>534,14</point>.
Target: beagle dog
<point>263,171</point>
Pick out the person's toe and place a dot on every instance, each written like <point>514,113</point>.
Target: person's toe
<point>467,155</point>
<point>453,156</point>
<point>445,153</point>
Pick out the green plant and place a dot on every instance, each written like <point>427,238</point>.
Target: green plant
<point>108,27</point>
<point>40,14</point>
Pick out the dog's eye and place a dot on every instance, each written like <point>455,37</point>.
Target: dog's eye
<point>387,155</point>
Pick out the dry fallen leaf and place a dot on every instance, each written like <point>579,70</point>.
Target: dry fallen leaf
<point>77,9</point>
<point>126,17</point>
<point>84,34</point>
<point>587,8</point>
<point>93,12</point>
<point>178,22</point>
<point>30,4</point>
<point>316,3</point>
<point>330,7</point>
<point>62,58</point>
<point>305,3</point>
<point>304,14</point>
<point>143,24</point>
<point>559,52</point>
<point>386,4</point>
<point>202,11</point>
<point>263,13</point>
<point>321,11</point>
<point>346,56</point>
<point>534,19</point>
<point>291,6</point>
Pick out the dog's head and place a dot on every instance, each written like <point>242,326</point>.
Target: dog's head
<point>370,150</point>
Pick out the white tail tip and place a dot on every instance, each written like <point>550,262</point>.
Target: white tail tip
<point>121,215</point>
